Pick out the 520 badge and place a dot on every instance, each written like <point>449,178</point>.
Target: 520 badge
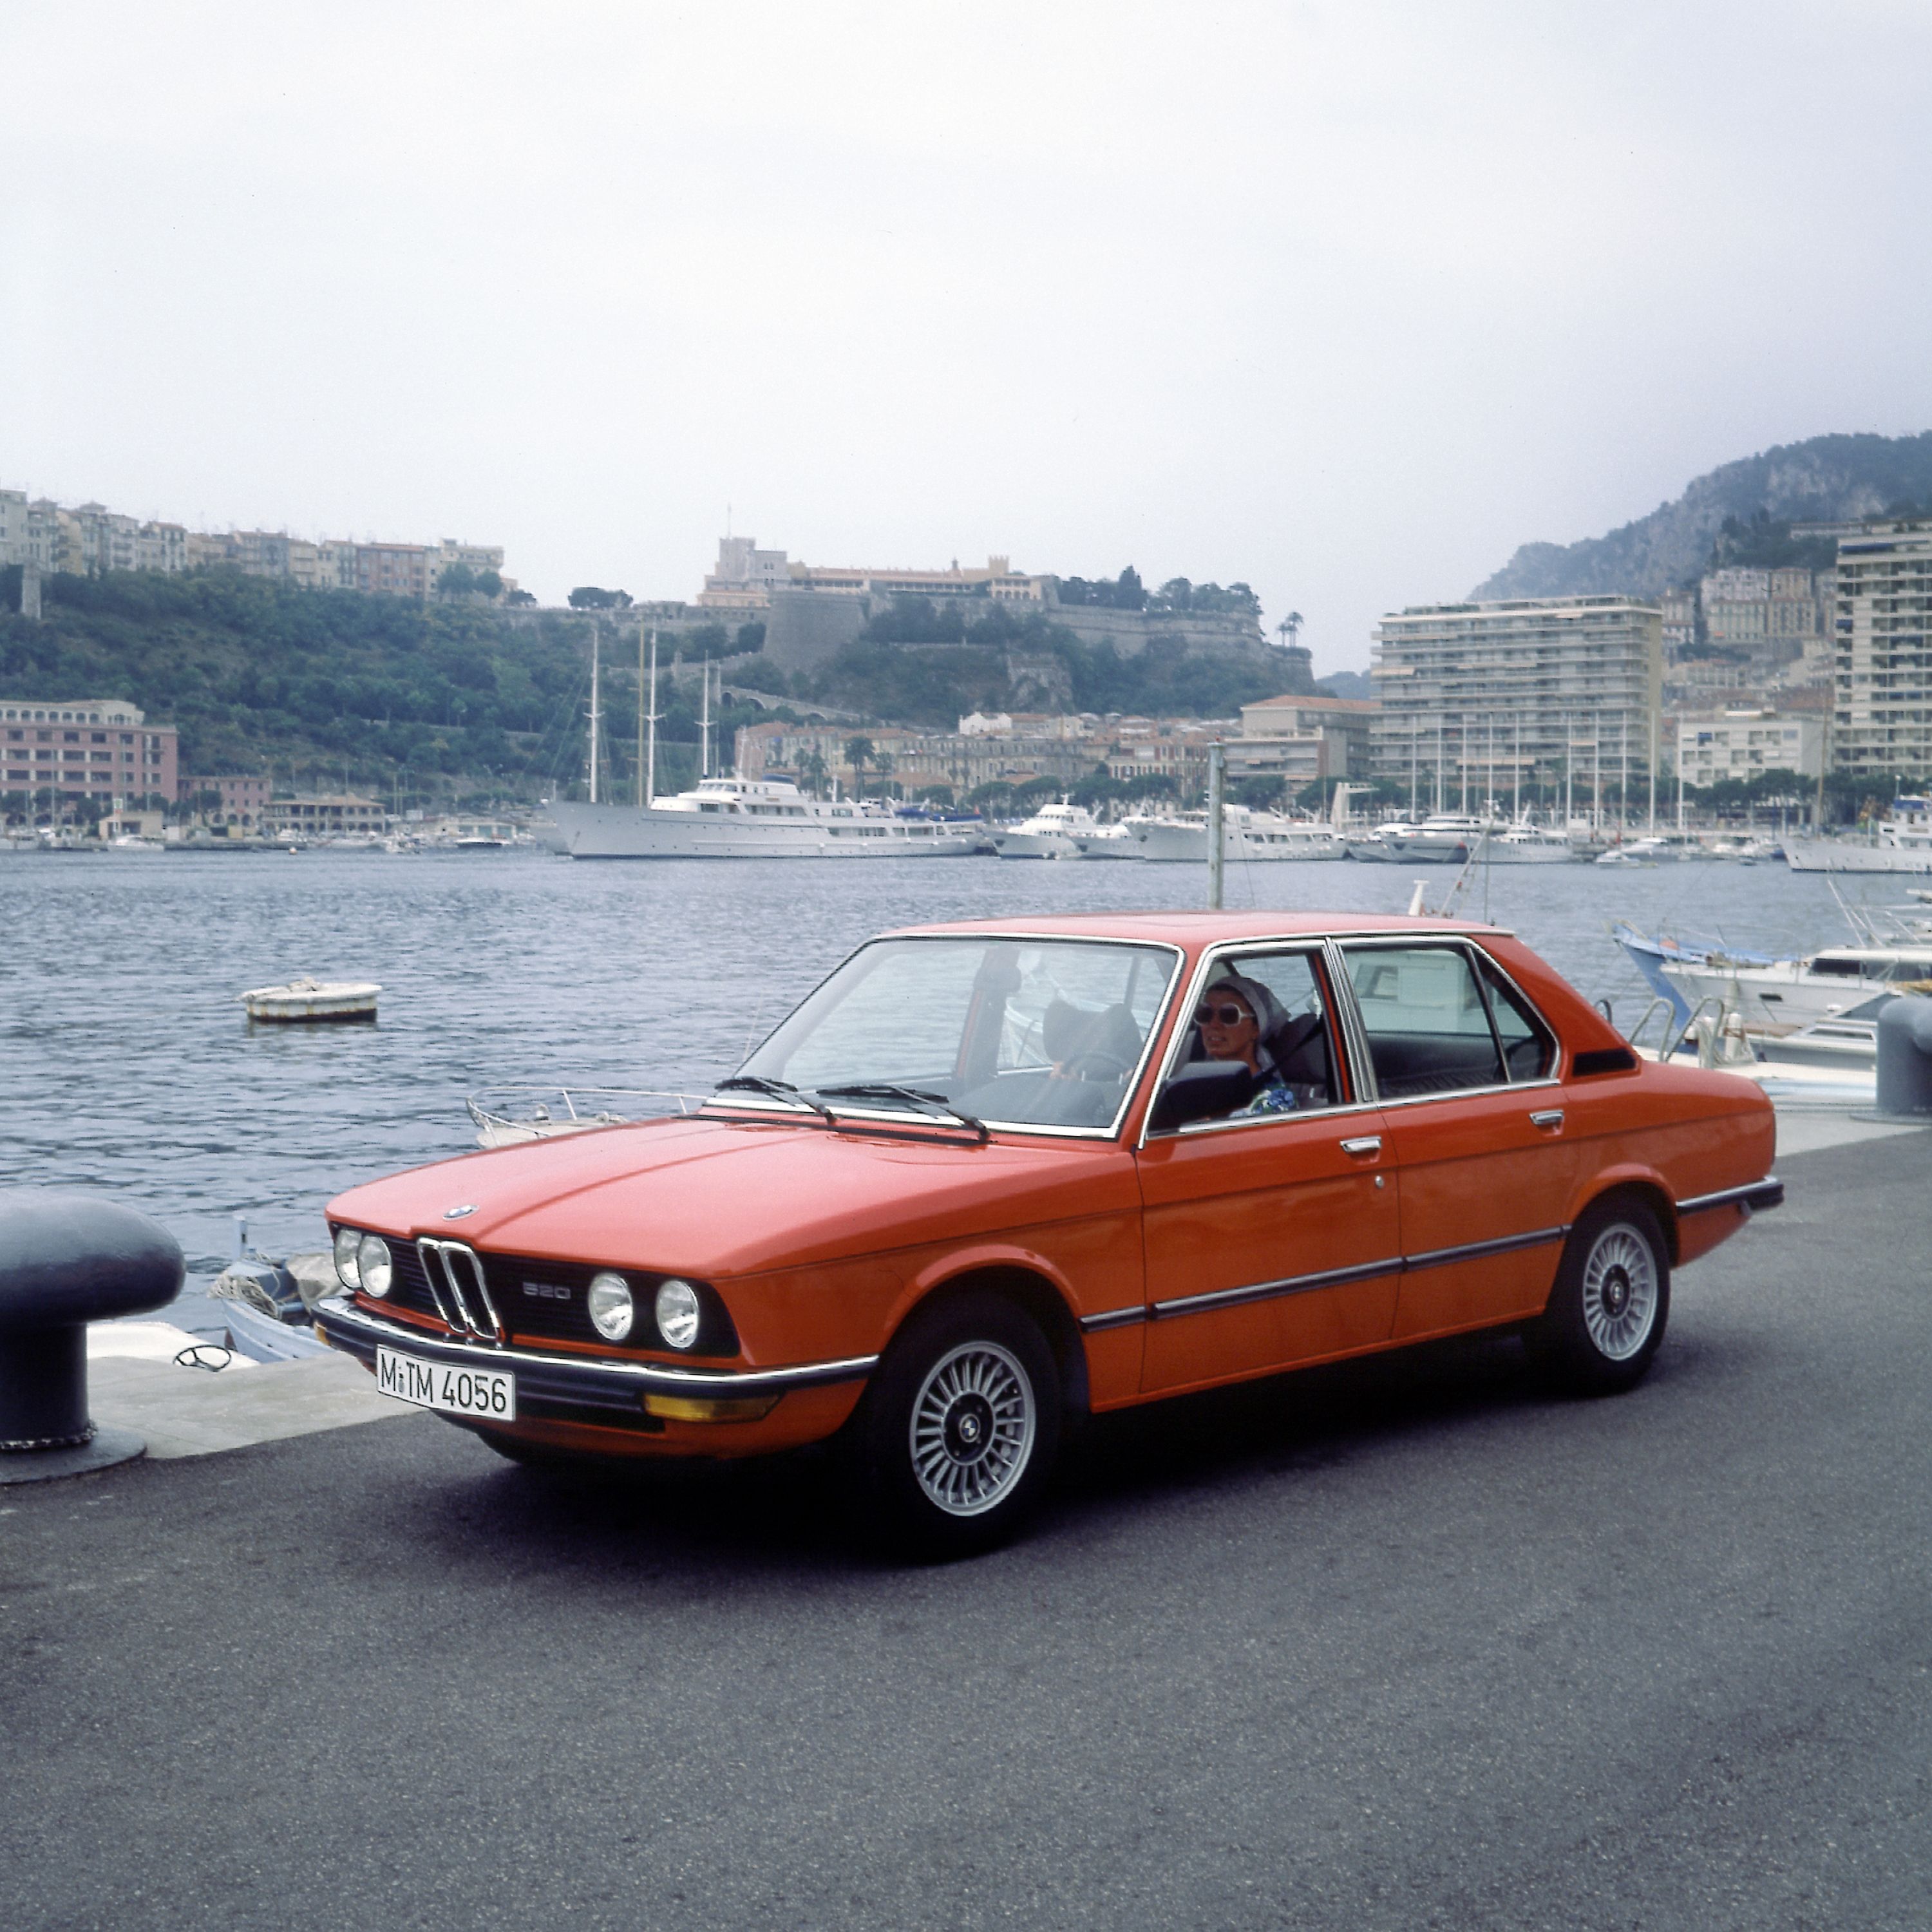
<point>453,1391</point>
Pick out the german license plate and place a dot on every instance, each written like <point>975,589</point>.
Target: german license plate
<point>491,1393</point>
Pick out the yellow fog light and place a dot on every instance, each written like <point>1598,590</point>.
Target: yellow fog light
<point>709,1408</point>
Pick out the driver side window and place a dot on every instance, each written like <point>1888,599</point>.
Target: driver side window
<point>1267,1012</point>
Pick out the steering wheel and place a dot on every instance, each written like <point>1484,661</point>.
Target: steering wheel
<point>1097,1065</point>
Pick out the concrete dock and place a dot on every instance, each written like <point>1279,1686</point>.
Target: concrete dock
<point>1403,1644</point>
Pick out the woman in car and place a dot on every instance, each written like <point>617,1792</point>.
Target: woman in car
<point>1237,1018</point>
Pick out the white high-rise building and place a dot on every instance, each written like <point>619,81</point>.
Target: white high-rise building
<point>1476,696</point>
<point>1882,710</point>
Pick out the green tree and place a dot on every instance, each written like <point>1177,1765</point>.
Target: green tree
<point>858,755</point>
<point>458,580</point>
<point>589,597</point>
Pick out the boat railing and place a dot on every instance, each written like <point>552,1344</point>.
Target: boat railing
<point>1671,1038</point>
<point>505,1115</point>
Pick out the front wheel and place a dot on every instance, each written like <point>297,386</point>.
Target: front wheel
<point>960,1428</point>
<point>1607,1314</point>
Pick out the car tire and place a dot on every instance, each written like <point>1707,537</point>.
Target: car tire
<point>1607,1312</point>
<point>958,1433</point>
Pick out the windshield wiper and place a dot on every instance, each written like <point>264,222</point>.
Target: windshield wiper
<point>919,1097</point>
<point>783,1090</point>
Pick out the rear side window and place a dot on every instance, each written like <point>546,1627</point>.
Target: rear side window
<point>1427,1023</point>
<point>1529,1047</point>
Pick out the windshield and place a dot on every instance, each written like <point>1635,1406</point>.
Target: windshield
<point>1014,1032</point>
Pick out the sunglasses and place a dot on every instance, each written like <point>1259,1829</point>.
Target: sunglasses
<point>1227,1015</point>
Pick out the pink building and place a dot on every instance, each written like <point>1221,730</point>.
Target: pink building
<point>244,798</point>
<point>99,748</point>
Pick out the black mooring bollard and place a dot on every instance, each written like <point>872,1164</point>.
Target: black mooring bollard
<point>66,1260</point>
<point>1904,1091</point>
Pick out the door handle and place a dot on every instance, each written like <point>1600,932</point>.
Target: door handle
<point>1366,1143</point>
<point>1550,1120</point>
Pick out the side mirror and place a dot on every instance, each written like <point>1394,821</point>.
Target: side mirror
<point>1202,1091</point>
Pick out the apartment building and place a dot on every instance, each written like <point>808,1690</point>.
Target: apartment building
<point>1301,740</point>
<point>744,578</point>
<point>322,815</point>
<point>99,748</point>
<point>1882,714</point>
<point>1745,744</point>
<point>1477,697</point>
<point>85,541</point>
<point>243,798</point>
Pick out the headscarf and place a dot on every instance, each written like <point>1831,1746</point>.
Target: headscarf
<point>1269,1014</point>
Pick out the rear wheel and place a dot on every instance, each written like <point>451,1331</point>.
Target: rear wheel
<point>1606,1314</point>
<point>959,1429</point>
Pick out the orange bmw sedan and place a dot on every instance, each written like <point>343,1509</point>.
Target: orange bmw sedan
<point>989,1177</point>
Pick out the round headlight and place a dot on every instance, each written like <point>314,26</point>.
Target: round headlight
<point>372,1264</point>
<point>612,1311</point>
<point>677,1313</point>
<point>346,1240</point>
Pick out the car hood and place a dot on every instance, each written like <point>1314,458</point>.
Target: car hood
<point>712,1197</point>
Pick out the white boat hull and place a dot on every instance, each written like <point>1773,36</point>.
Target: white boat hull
<point>1247,844</point>
<point>297,1005</point>
<point>628,832</point>
<point>1502,853</point>
<point>1833,855</point>
<point>1037,845</point>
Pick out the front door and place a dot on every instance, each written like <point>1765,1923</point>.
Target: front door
<point>1473,1128</point>
<point>1272,1236</point>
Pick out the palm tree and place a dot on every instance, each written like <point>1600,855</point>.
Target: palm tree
<point>858,755</point>
<point>1289,629</point>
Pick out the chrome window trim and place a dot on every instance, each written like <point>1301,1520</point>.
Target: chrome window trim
<point>1355,1035</point>
<point>734,1103</point>
<point>1459,940</point>
<point>644,1375</point>
<point>1510,980</point>
<point>1299,942</point>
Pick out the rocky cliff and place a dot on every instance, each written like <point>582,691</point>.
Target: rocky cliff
<point>1825,477</point>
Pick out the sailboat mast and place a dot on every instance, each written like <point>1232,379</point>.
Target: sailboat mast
<point>704,716</point>
<point>651,742</point>
<point>640,718</point>
<point>593,709</point>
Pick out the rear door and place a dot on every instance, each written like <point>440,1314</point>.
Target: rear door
<point>1473,1128</point>
<point>1273,1238</point>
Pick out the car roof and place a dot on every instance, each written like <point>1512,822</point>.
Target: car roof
<point>1193,928</point>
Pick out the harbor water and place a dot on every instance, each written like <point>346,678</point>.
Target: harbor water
<point>128,1066</point>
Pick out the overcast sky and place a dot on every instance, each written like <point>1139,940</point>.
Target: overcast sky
<point>1346,300</point>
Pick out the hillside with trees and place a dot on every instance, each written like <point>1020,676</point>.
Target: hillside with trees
<point>422,702</point>
<point>425,701</point>
<point>1740,513</point>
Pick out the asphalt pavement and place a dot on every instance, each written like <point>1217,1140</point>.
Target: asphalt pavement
<point>1408,1644</point>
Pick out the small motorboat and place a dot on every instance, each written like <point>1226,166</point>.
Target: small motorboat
<point>304,1000</point>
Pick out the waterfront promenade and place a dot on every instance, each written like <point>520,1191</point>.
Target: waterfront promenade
<point>1396,1645</point>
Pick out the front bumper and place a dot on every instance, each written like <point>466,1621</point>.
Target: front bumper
<point>574,1388</point>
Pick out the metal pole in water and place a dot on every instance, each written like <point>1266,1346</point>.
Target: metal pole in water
<point>1217,780</point>
<point>651,742</point>
<point>593,710</point>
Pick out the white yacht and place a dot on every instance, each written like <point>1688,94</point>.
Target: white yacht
<point>1767,991</point>
<point>753,818</point>
<point>1526,844</point>
<point>1249,836</point>
<point>1109,842</point>
<point>1444,840</point>
<point>1901,842</point>
<point>1054,831</point>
